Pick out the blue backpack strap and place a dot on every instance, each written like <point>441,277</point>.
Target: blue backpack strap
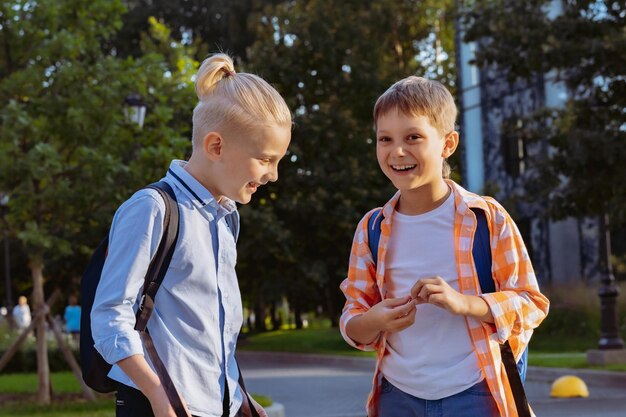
<point>481,251</point>
<point>373,232</point>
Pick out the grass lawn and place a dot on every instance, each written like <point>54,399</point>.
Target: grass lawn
<point>321,341</point>
<point>567,360</point>
<point>18,391</point>
<point>101,408</point>
<point>17,398</point>
<point>329,341</point>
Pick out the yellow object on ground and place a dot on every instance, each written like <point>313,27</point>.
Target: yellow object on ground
<point>569,386</point>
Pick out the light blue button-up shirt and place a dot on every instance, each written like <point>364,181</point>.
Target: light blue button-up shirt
<point>198,311</point>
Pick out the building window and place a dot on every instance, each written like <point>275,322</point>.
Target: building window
<point>513,146</point>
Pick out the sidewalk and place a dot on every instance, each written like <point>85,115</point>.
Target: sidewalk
<point>594,377</point>
<point>314,385</point>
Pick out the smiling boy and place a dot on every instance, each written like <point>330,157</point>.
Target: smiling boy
<point>420,305</point>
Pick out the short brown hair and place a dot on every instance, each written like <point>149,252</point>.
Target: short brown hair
<point>417,96</point>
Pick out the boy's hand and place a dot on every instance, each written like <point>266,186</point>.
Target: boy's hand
<point>438,292</point>
<point>392,315</point>
<point>257,407</point>
<point>161,406</point>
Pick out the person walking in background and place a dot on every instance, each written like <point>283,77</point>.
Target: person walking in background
<point>21,313</point>
<point>241,130</point>
<point>420,304</point>
<point>71,316</point>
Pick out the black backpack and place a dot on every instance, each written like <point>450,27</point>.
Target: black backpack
<point>94,368</point>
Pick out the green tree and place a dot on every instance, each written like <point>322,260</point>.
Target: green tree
<point>68,156</point>
<point>583,173</point>
<point>227,25</point>
<point>331,60</point>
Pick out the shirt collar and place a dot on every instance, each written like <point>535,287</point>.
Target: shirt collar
<point>196,191</point>
<point>463,201</point>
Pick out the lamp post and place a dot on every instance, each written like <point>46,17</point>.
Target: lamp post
<point>135,109</point>
<point>4,203</point>
<point>609,337</point>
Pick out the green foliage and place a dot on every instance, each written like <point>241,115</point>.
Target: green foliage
<point>583,173</point>
<point>25,361</point>
<point>69,157</point>
<point>227,25</point>
<point>573,323</point>
<point>331,60</point>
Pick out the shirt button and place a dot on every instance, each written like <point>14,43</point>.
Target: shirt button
<point>225,295</point>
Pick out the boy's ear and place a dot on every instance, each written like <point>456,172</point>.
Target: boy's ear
<point>213,145</point>
<point>451,141</point>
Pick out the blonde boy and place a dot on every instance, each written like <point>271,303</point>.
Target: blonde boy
<point>421,306</point>
<point>241,130</point>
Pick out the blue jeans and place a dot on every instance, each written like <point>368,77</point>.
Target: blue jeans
<point>476,401</point>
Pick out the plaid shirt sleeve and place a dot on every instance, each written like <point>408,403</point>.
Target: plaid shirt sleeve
<point>360,287</point>
<point>517,306</point>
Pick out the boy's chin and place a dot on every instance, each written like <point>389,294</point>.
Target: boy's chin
<point>244,198</point>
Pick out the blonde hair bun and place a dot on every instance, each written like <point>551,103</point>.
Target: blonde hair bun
<point>213,69</point>
<point>229,101</point>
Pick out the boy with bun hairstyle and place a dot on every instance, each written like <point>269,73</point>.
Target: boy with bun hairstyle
<point>420,305</point>
<point>241,130</point>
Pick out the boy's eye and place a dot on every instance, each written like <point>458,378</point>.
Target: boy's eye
<point>414,137</point>
<point>383,139</point>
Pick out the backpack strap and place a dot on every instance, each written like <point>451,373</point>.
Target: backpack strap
<point>161,261</point>
<point>154,277</point>
<point>373,232</point>
<point>481,251</point>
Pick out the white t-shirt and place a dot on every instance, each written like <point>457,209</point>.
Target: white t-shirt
<point>434,358</point>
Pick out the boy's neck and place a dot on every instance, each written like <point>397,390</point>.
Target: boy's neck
<point>200,174</point>
<point>423,199</point>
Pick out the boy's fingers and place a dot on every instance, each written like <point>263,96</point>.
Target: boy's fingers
<point>420,284</point>
<point>395,302</point>
<point>428,290</point>
<point>405,321</point>
<point>405,309</point>
<point>416,289</point>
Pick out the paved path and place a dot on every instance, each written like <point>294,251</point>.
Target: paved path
<point>323,386</point>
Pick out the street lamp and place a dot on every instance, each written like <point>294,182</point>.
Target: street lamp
<point>610,347</point>
<point>609,337</point>
<point>134,109</point>
<point>4,203</point>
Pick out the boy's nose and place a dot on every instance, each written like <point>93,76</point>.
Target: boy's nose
<point>272,175</point>
<point>399,150</point>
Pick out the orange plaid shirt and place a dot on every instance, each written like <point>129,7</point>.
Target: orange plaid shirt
<point>517,305</point>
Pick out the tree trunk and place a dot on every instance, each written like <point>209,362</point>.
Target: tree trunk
<point>297,313</point>
<point>330,307</point>
<point>259,314</point>
<point>43,369</point>
<point>275,318</point>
